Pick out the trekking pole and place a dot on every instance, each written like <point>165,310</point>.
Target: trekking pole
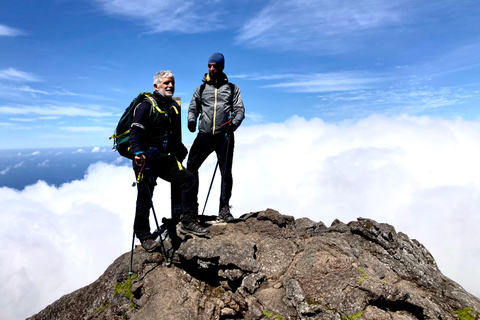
<point>215,171</point>
<point>130,272</point>
<point>151,204</point>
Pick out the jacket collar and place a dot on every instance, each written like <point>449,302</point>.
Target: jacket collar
<point>217,81</point>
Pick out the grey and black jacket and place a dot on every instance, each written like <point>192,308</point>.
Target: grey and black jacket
<point>214,101</point>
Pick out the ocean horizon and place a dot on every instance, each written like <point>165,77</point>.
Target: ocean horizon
<point>20,168</point>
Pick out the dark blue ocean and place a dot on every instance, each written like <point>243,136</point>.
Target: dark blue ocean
<point>56,166</point>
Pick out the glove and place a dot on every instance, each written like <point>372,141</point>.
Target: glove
<point>231,127</point>
<point>151,154</point>
<point>192,126</point>
<point>181,152</point>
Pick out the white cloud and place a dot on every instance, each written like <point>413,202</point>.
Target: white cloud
<point>98,149</point>
<point>6,170</point>
<point>17,75</point>
<point>33,91</point>
<point>189,16</point>
<point>418,174</point>
<point>85,129</point>
<point>15,166</point>
<point>43,164</point>
<point>7,31</point>
<point>303,25</point>
<point>410,99</point>
<point>69,111</point>
<point>323,82</point>
<point>323,27</point>
<point>51,236</point>
<point>22,119</point>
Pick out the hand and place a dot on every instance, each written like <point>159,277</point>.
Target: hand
<point>151,154</point>
<point>139,159</point>
<point>231,127</point>
<point>181,153</point>
<point>192,126</point>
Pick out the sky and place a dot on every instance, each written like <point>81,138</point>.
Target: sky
<point>354,109</point>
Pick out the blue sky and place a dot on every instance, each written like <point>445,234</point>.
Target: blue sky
<point>69,68</point>
<point>366,108</point>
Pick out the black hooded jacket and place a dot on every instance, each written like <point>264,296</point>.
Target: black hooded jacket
<point>155,127</point>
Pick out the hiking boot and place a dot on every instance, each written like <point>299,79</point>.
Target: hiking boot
<point>193,227</point>
<point>150,245</point>
<point>225,214</point>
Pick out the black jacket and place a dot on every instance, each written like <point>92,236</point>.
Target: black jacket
<point>157,127</point>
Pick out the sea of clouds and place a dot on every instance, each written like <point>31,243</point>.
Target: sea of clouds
<point>419,174</point>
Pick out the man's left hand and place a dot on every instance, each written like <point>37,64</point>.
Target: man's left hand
<point>231,127</point>
<point>181,152</point>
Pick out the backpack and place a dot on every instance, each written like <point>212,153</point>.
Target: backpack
<point>121,136</point>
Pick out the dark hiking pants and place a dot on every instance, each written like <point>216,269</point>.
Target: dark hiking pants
<point>223,145</point>
<point>166,168</point>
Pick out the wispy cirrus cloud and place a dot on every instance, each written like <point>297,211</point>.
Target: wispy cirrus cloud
<point>33,91</point>
<point>17,75</point>
<point>393,101</point>
<point>301,25</point>
<point>326,82</point>
<point>318,82</point>
<point>324,27</point>
<point>7,31</point>
<point>85,129</point>
<point>190,16</point>
<point>69,111</point>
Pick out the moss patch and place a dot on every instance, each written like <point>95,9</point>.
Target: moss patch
<point>364,275</point>
<point>355,316</point>
<point>465,314</point>
<point>125,288</point>
<point>105,307</point>
<point>269,315</point>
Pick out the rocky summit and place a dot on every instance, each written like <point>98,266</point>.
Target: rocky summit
<point>271,266</point>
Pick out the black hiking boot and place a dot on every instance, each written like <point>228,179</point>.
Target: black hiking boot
<point>193,227</point>
<point>150,245</point>
<point>225,214</point>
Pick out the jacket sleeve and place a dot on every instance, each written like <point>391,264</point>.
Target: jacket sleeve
<point>238,108</point>
<point>140,125</point>
<point>195,106</point>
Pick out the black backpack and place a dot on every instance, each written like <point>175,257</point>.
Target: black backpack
<point>121,136</point>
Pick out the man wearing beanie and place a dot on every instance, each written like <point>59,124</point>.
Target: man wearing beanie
<point>220,106</point>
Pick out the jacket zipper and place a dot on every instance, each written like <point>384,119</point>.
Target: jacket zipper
<point>215,111</point>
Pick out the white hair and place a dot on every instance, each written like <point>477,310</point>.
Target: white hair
<point>157,78</point>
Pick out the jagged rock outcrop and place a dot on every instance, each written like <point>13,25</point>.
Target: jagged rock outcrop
<point>271,266</point>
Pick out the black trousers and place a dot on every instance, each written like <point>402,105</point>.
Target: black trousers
<point>166,168</point>
<point>223,145</point>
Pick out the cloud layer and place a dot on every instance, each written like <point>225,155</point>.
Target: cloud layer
<point>417,173</point>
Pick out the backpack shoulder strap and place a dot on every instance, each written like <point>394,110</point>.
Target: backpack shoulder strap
<point>155,107</point>
<point>202,88</point>
<point>232,88</point>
